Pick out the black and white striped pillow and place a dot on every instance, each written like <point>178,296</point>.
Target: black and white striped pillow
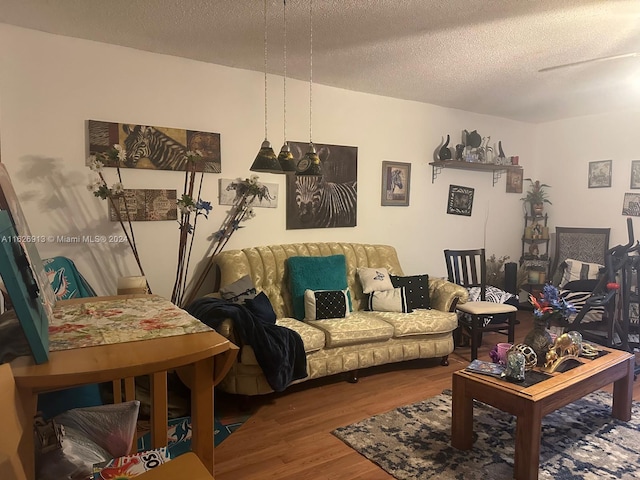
<point>579,300</point>
<point>577,270</point>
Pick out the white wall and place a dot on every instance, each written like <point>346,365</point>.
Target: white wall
<point>565,149</point>
<point>50,86</point>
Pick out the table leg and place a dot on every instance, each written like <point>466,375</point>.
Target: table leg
<point>527,451</point>
<point>159,409</point>
<point>202,412</point>
<point>623,393</point>
<point>461,415</point>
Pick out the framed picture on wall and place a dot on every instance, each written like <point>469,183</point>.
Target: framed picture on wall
<point>631,205</point>
<point>460,200</point>
<point>600,174</point>
<point>514,180</point>
<point>396,177</point>
<point>635,174</point>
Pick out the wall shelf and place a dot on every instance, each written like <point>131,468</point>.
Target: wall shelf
<point>436,168</point>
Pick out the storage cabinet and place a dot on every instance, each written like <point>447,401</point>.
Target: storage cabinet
<point>535,252</point>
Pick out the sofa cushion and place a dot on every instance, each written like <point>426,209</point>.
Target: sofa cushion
<point>416,289</point>
<point>359,327</point>
<point>239,291</point>
<point>315,273</point>
<point>419,322</point>
<point>577,270</point>
<point>261,308</point>
<point>374,279</point>
<point>388,301</point>
<point>312,338</point>
<point>322,304</point>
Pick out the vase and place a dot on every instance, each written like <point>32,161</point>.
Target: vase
<point>539,339</point>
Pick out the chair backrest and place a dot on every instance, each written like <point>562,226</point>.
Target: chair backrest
<point>12,441</point>
<point>587,245</point>
<point>467,268</point>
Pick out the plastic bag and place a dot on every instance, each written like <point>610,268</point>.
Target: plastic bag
<point>90,435</point>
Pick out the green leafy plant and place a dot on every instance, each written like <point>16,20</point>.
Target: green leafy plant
<point>537,194</point>
<point>495,270</point>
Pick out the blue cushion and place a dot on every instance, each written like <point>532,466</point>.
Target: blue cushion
<point>261,307</point>
<point>315,273</point>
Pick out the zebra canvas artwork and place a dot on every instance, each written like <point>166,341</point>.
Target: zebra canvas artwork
<point>158,148</point>
<point>396,177</point>
<point>324,202</point>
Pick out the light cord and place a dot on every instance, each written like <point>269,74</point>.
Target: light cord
<point>310,69</point>
<point>285,71</point>
<point>265,69</point>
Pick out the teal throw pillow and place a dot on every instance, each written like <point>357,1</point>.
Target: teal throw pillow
<point>315,273</point>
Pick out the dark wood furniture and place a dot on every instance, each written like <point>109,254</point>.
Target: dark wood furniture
<point>588,245</point>
<point>531,404</point>
<point>469,269</point>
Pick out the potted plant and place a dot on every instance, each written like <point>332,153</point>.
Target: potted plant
<point>536,196</point>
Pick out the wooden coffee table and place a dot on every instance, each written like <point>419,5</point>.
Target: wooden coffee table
<point>531,404</point>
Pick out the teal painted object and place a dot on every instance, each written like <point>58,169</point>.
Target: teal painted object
<point>22,288</point>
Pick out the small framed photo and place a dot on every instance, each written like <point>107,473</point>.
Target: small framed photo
<point>460,200</point>
<point>631,205</point>
<point>600,174</point>
<point>635,173</point>
<point>396,179</point>
<point>514,180</point>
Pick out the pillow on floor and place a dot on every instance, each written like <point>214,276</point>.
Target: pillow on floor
<point>416,288</point>
<point>374,279</point>
<point>315,273</point>
<point>323,304</point>
<point>393,300</point>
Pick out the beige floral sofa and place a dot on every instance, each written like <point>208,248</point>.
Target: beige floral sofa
<point>362,339</point>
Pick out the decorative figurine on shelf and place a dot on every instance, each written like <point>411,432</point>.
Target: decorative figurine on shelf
<point>533,250</point>
<point>473,139</point>
<point>536,231</point>
<point>501,155</point>
<point>459,151</point>
<point>445,153</point>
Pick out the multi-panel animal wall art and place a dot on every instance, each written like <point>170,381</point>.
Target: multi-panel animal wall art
<point>160,148</point>
<point>328,201</point>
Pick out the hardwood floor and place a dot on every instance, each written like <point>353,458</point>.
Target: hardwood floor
<point>288,435</point>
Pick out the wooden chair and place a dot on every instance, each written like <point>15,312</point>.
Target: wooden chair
<point>17,425</point>
<point>588,245</point>
<point>468,268</point>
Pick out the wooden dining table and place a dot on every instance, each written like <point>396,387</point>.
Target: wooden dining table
<point>206,356</point>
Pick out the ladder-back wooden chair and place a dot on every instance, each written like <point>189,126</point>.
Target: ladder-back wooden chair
<point>468,268</point>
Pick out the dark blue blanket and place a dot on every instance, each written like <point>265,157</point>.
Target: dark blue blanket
<point>279,350</point>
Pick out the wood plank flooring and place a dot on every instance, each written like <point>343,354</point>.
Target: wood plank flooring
<point>288,435</point>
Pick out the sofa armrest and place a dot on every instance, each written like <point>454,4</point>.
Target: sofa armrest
<point>445,295</point>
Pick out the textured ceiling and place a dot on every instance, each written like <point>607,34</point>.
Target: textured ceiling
<point>476,55</point>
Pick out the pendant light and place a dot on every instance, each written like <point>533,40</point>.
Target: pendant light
<point>285,157</point>
<point>266,160</point>
<point>310,163</point>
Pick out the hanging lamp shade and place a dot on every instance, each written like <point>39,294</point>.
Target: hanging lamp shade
<point>266,160</point>
<point>285,158</point>
<point>309,165</point>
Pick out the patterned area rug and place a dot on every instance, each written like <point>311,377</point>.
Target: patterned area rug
<point>579,441</point>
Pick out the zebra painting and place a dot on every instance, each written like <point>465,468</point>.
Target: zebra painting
<point>395,183</point>
<point>163,152</point>
<point>324,202</point>
<point>155,147</point>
